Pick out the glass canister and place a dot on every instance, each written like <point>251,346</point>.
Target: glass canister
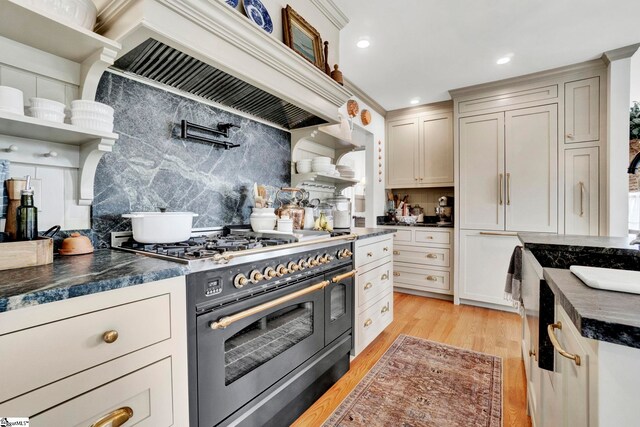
<point>341,211</point>
<point>326,209</point>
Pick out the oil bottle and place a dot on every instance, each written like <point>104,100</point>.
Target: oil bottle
<point>27,214</point>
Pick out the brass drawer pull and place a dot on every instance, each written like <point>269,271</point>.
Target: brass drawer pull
<point>395,273</point>
<point>432,256</point>
<point>396,252</point>
<point>385,276</point>
<point>341,277</point>
<point>532,353</point>
<point>110,336</point>
<point>368,323</point>
<point>556,343</point>
<point>384,309</point>
<point>430,237</point>
<point>386,249</point>
<point>369,254</point>
<point>432,278</point>
<point>115,418</point>
<point>369,285</point>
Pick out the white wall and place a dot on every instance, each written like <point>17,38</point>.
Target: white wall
<point>635,77</point>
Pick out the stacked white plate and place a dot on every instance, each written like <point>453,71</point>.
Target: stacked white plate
<point>91,115</point>
<point>345,171</point>
<point>11,100</point>
<point>47,109</point>
<point>322,165</point>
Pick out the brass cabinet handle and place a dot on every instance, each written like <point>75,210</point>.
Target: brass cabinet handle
<point>430,237</point>
<point>396,273</point>
<point>384,309</point>
<point>532,353</point>
<point>368,323</point>
<point>341,277</point>
<point>110,336</point>
<point>115,418</point>
<point>492,233</point>
<point>369,285</point>
<point>432,256</point>
<point>508,189</point>
<point>396,252</point>
<point>432,278</point>
<point>582,190</point>
<point>385,276</point>
<point>228,320</point>
<point>570,136</point>
<point>500,179</point>
<point>386,249</point>
<point>556,343</point>
<point>369,254</point>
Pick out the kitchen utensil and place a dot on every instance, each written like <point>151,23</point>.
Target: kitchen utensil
<point>263,219</point>
<point>27,214</point>
<point>52,231</point>
<point>76,244</point>
<point>292,209</point>
<point>161,227</point>
<point>11,100</point>
<point>14,190</point>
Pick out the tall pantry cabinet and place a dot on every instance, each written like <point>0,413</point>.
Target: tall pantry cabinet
<point>528,161</point>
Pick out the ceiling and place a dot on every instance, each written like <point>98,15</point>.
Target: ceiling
<point>423,48</point>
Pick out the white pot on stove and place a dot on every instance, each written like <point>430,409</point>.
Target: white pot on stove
<point>161,227</point>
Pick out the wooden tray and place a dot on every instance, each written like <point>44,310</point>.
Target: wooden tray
<point>26,254</point>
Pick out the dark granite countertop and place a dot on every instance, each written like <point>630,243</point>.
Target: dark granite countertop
<point>601,244</point>
<point>74,276</point>
<point>364,233</point>
<point>417,224</point>
<point>600,315</point>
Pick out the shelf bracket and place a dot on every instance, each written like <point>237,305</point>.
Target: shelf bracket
<point>91,71</point>
<point>90,155</point>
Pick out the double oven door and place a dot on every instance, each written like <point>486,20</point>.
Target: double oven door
<point>245,347</point>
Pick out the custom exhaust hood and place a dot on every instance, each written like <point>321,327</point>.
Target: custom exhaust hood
<point>210,50</point>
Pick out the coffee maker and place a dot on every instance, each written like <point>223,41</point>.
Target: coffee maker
<point>444,210</point>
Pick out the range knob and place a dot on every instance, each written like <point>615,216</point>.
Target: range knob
<point>324,259</point>
<point>240,281</point>
<point>256,276</point>
<point>347,253</point>
<point>281,270</point>
<point>312,262</point>
<point>269,273</point>
<point>293,267</point>
<point>302,264</point>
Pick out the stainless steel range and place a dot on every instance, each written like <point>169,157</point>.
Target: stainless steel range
<point>270,323</point>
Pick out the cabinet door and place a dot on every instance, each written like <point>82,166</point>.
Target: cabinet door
<point>436,149</point>
<point>531,172</point>
<point>482,172</point>
<point>484,260</point>
<point>581,192</point>
<point>582,110</point>
<point>402,153</point>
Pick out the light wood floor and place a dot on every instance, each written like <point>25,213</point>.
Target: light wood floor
<point>474,328</point>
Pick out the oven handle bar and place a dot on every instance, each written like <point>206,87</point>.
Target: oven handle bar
<point>341,277</point>
<point>228,320</point>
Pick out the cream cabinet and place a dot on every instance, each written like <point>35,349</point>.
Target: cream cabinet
<point>581,192</point>
<point>420,151</point>
<point>112,355</point>
<point>373,289</point>
<point>582,110</point>
<point>508,170</point>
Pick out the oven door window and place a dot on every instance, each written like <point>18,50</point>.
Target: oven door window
<point>338,296</point>
<point>266,338</point>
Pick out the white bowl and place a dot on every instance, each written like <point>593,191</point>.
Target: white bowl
<point>304,161</point>
<point>321,160</point>
<point>77,12</point>
<point>85,104</point>
<point>91,114</point>
<point>94,124</point>
<point>11,100</point>
<point>262,223</point>
<point>47,114</point>
<point>331,168</point>
<point>49,104</point>
<point>303,167</point>
<point>321,168</point>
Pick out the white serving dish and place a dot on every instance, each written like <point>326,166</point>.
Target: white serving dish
<point>11,100</point>
<point>321,167</point>
<point>48,104</point>
<point>321,159</point>
<point>76,12</point>
<point>94,124</point>
<point>85,104</point>
<point>47,114</point>
<point>608,279</point>
<point>91,114</point>
<point>303,167</point>
<point>161,227</point>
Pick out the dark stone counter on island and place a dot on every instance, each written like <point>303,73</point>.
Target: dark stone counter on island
<point>74,276</point>
<point>364,232</point>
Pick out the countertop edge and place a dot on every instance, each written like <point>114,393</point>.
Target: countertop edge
<point>365,233</point>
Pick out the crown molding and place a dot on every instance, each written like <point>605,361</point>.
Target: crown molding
<point>364,97</point>
<point>332,12</point>
<point>433,108</point>
<point>621,53</point>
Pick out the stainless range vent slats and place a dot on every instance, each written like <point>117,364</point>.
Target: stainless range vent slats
<point>156,61</point>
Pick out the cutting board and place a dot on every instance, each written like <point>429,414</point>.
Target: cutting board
<point>608,279</point>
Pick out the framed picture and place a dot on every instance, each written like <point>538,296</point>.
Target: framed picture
<point>302,37</point>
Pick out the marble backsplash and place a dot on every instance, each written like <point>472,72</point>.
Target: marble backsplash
<point>151,166</point>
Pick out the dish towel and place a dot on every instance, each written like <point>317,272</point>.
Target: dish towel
<point>4,199</point>
<point>513,286</point>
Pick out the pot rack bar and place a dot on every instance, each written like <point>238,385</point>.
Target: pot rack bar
<point>222,129</point>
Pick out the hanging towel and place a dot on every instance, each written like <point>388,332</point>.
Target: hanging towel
<point>513,286</point>
<point>4,199</point>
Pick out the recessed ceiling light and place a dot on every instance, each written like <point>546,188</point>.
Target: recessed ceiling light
<point>363,43</point>
<point>414,101</point>
<point>503,60</point>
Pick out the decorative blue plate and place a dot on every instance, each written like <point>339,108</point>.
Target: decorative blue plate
<point>232,3</point>
<point>256,11</point>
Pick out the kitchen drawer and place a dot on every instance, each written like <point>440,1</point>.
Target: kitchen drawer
<point>438,257</point>
<point>372,321</point>
<point>373,283</point>
<point>402,236</point>
<point>422,279</point>
<point>77,343</point>
<point>377,250</point>
<point>146,392</point>
<point>428,236</point>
